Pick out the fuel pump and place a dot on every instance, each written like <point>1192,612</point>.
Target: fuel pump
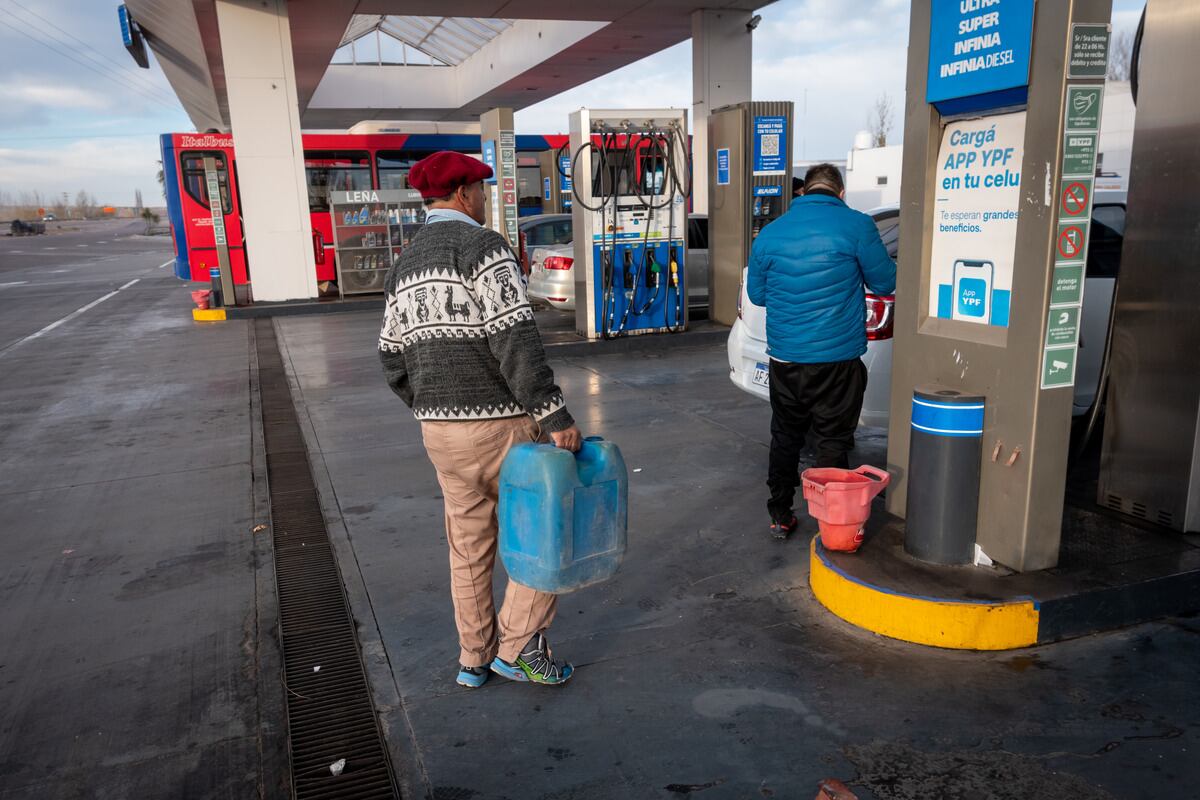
<point>750,185</point>
<point>630,187</point>
<point>556,179</point>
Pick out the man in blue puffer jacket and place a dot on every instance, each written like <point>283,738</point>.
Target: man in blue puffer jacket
<point>808,269</point>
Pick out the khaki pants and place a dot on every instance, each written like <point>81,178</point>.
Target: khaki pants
<point>467,457</point>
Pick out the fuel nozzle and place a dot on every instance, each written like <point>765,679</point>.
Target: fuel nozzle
<point>652,271</point>
<point>628,276</point>
<point>674,284</point>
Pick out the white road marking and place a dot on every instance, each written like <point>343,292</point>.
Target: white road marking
<point>13,283</point>
<point>81,245</point>
<point>160,266</point>
<point>68,317</point>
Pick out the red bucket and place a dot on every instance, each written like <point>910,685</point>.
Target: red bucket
<point>201,298</point>
<point>840,501</point>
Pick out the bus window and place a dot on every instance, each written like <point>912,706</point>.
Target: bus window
<point>393,166</point>
<point>191,165</point>
<point>328,171</point>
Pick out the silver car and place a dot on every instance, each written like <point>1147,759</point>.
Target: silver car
<point>552,267</point>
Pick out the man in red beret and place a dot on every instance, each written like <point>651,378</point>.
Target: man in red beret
<point>460,347</point>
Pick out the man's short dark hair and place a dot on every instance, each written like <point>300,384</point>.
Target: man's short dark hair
<point>797,185</point>
<point>823,176</point>
<point>431,200</point>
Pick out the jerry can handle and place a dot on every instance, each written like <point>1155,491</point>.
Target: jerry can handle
<point>874,472</point>
<point>588,448</point>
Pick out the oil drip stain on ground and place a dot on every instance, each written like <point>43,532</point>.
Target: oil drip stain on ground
<point>559,753</point>
<point>688,788</point>
<point>173,573</point>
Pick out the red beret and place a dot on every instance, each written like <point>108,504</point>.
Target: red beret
<point>441,173</point>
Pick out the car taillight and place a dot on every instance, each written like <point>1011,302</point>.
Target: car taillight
<point>557,262</point>
<point>524,253</point>
<point>879,316</point>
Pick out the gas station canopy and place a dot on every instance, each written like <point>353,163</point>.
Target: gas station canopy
<point>456,59</point>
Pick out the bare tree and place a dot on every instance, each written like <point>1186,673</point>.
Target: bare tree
<point>151,220</point>
<point>1120,56</point>
<point>879,120</point>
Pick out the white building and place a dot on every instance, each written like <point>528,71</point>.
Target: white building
<point>873,174</point>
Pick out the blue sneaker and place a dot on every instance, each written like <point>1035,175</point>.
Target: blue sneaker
<point>472,677</point>
<point>534,665</point>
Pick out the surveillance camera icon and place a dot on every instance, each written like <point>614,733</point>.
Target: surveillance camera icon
<point>1058,366</point>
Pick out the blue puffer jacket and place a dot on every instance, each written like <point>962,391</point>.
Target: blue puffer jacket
<point>808,269</point>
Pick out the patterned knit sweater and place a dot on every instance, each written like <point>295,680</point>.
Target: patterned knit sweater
<point>458,339</point>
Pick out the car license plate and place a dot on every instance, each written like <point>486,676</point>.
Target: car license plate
<point>762,375</point>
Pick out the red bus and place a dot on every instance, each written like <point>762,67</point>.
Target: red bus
<point>332,161</point>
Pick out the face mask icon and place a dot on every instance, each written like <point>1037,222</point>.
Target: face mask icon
<point>1082,103</point>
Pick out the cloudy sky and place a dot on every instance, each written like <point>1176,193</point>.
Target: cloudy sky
<point>80,115</point>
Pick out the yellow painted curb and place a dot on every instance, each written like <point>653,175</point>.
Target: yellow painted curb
<point>960,625</point>
<point>208,314</point>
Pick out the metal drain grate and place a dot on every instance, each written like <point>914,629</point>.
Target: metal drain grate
<point>330,714</point>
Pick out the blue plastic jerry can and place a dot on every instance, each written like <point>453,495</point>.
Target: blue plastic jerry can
<point>563,516</point>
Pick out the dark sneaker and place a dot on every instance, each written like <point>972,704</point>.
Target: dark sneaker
<point>471,677</point>
<point>535,664</point>
<point>781,530</point>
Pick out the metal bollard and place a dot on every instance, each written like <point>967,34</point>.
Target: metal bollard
<point>943,475</point>
<point>214,277</point>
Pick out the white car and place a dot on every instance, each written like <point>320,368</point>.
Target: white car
<point>747,344</point>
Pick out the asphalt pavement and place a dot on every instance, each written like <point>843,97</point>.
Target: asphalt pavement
<point>45,278</point>
<point>135,599</point>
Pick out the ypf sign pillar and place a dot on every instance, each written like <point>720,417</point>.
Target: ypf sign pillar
<point>499,145</point>
<point>999,154</point>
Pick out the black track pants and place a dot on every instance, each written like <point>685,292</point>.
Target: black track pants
<point>822,399</point>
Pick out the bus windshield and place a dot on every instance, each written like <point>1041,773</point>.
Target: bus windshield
<point>194,182</point>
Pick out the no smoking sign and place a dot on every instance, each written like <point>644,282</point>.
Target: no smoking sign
<point>1075,197</point>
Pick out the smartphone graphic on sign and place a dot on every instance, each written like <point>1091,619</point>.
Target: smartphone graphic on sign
<point>973,290</point>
